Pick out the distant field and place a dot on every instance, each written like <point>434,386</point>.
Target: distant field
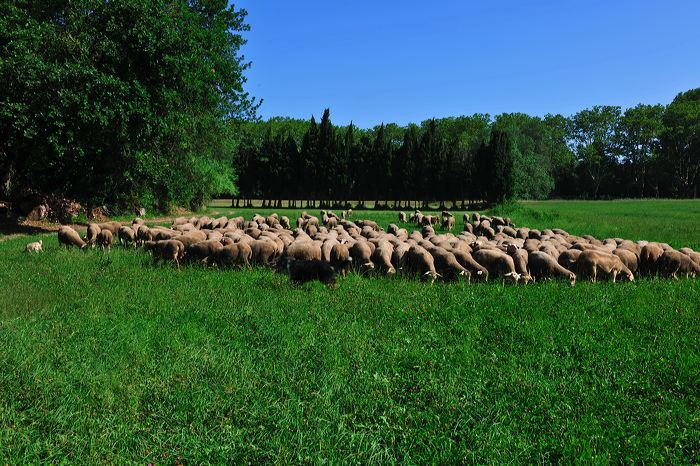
<point>115,360</point>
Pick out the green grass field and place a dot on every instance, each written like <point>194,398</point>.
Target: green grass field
<point>115,360</point>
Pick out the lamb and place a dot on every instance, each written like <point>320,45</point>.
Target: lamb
<point>497,262</point>
<point>35,246</point>
<point>542,265</point>
<point>69,237</point>
<point>402,217</point>
<point>591,262</point>
<point>104,239</point>
<point>302,271</point>
<point>673,262</point>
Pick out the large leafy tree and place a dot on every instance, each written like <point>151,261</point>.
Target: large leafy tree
<point>593,134</point>
<point>681,143</point>
<point>121,102</point>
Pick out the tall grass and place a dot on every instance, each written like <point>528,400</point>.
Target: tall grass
<point>112,359</point>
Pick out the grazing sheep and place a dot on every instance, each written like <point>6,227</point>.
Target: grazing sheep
<point>447,265</point>
<point>361,253</point>
<point>113,227</point>
<point>448,223</point>
<point>568,258</point>
<point>498,263</point>
<point>694,256</point>
<point>628,258</point>
<point>542,265</point>
<point>649,258</point>
<point>264,252</point>
<point>402,217</point>
<point>93,230</point>
<point>34,247</point>
<point>304,250</point>
<point>126,236</point>
<point>520,260</point>
<point>671,263</point>
<point>166,250</point>
<point>202,250</point>
<point>591,262</point>
<point>381,257</point>
<point>69,237</point>
<point>466,260</point>
<point>104,239</point>
<point>340,258</point>
<point>238,254</point>
<point>420,260</point>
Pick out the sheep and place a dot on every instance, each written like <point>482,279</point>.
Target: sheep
<point>104,239</point>
<point>35,246</point>
<point>568,258</point>
<point>591,262</point>
<point>628,258</point>
<point>497,262</point>
<point>69,237</point>
<point>302,271</point>
<point>447,265</point>
<point>143,234</point>
<point>648,259</point>
<point>126,236</point>
<point>542,265</point>
<point>340,258</point>
<point>448,223</point>
<point>113,227</point>
<point>202,250</point>
<point>402,217</point>
<point>304,250</point>
<point>238,254</point>
<point>419,259</point>
<point>673,262</point>
<point>381,257</point>
<point>93,230</point>
<point>520,260</point>
<point>694,256</point>
<point>166,250</point>
<point>264,252</point>
<point>361,253</point>
<point>466,260</point>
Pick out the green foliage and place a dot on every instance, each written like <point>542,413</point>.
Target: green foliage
<point>681,143</point>
<point>116,360</point>
<point>120,102</point>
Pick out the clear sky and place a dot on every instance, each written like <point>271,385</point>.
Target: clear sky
<point>407,61</point>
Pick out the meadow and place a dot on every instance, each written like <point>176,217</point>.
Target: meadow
<point>112,359</point>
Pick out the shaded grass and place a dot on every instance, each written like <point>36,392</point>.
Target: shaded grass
<point>113,359</point>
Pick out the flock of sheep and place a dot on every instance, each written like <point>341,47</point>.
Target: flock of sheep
<point>319,248</point>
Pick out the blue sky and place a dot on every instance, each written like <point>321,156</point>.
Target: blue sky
<point>407,61</point>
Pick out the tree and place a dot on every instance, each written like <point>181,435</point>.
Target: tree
<point>121,102</point>
<point>680,143</point>
<point>594,142</point>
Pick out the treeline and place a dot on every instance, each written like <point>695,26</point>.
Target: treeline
<point>601,152</point>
